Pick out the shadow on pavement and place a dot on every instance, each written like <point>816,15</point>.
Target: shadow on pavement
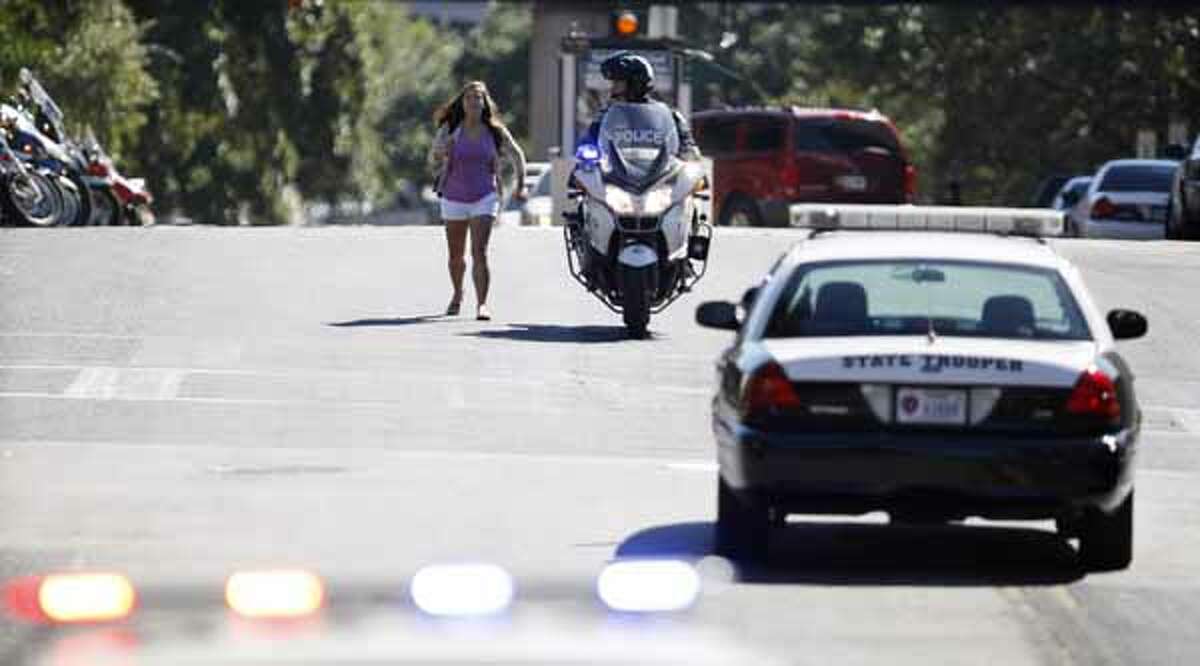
<point>552,333</point>
<point>874,554</point>
<point>397,321</point>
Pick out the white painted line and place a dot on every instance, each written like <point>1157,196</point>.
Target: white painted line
<point>693,466</point>
<point>125,384</point>
<point>93,384</point>
<point>1189,419</point>
<point>267,452</point>
<point>42,334</point>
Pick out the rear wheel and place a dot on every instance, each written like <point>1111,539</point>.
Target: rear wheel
<point>740,211</point>
<point>1189,225</point>
<point>1106,539</point>
<point>635,299</point>
<point>743,525</point>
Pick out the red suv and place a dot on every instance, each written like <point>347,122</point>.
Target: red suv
<point>765,159</point>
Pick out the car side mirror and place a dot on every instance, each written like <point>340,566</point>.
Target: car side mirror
<point>1126,324</point>
<point>1071,198</point>
<point>718,314</point>
<point>749,296</point>
<point>1175,151</point>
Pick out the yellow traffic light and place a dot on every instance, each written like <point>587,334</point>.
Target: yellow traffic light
<point>625,24</point>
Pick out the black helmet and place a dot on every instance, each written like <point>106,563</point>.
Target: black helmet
<point>634,70</point>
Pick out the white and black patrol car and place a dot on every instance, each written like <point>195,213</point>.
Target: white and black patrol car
<point>933,375</point>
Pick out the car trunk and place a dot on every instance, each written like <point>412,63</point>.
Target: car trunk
<point>850,160</point>
<point>909,384</point>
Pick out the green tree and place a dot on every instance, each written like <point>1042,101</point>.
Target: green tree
<point>89,57</point>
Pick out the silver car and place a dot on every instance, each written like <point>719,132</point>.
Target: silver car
<point>1127,199</point>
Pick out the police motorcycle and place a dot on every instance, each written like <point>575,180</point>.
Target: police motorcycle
<point>29,194</point>
<point>35,131</point>
<point>116,199</point>
<point>637,239</point>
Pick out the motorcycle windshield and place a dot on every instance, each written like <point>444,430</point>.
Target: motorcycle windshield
<point>45,103</point>
<point>637,142</point>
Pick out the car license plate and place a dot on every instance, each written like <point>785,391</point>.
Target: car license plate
<point>852,183</point>
<point>931,406</point>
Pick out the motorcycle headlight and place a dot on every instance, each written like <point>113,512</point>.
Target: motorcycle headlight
<point>657,201</point>
<point>620,201</point>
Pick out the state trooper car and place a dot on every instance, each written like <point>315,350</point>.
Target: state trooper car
<point>933,375</point>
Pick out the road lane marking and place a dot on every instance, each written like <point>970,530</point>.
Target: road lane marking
<point>102,383</point>
<point>307,453</point>
<point>693,466</point>
<point>93,384</point>
<point>336,375</point>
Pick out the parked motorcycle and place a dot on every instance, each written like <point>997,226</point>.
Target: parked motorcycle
<point>30,193</point>
<point>116,199</point>
<point>637,240</point>
<point>35,132</point>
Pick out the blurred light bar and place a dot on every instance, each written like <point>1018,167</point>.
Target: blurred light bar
<point>274,594</point>
<point>643,586</point>
<point>71,598</point>
<point>1036,222</point>
<point>462,590</point>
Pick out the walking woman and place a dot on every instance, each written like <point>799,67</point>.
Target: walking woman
<point>466,153</point>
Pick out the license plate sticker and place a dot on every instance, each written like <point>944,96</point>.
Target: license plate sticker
<point>931,406</point>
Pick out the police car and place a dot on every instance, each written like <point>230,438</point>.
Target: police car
<point>934,375</point>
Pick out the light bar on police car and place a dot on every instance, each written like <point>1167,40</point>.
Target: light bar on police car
<point>462,590</point>
<point>643,586</point>
<point>980,219</point>
<point>68,598</point>
<point>274,594</point>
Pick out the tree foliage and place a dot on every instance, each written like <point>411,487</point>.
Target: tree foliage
<point>236,111</point>
<point>993,96</point>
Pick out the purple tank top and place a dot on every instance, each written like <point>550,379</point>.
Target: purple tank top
<point>470,176</point>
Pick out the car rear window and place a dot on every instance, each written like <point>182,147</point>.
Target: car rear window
<point>845,136</point>
<point>906,297</point>
<point>716,136</point>
<point>765,134</point>
<point>1139,178</point>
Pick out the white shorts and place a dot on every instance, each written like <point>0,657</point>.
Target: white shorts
<point>455,210</point>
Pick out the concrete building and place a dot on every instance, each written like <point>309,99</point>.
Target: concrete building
<point>551,22</point>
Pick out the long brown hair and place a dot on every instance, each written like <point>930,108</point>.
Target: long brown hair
<point>452,113</point>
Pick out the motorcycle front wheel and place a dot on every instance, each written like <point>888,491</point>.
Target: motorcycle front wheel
<point>106,210</point>
<point>83,194</point>
<point>635,299</point>
<point>33,199</point>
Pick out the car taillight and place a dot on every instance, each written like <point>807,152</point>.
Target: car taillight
<point>769,392</point>
<point>910,183</point>
<point>1095,395</point>
<point>1103,209</point>
<point>789,178</point>
<point>97,169</point>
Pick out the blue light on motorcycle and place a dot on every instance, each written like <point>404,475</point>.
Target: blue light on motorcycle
<point>588,155</point>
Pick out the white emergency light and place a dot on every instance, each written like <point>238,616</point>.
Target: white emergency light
<point>1037,222</point>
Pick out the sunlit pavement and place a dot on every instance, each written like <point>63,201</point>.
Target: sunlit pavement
<point>177,402</point>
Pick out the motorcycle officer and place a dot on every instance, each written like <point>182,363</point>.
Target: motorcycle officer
<point>632,79</point>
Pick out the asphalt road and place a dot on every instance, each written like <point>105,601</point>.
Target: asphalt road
<point>177,402</point>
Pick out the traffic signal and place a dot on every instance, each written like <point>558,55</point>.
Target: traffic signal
<point>625,24</point>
